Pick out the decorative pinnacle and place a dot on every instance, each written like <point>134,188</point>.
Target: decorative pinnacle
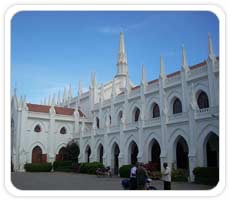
<point>210,47</point>
<point>143,78</point>
<point>162,68</point>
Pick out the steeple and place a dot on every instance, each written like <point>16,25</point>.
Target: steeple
<point>122,65</point>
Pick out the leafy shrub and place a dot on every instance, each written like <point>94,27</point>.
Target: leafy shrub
<point>65,166</point>
<point>73,151</point>
<point>179,175</point>
<point>206,175</point>
<point>38,167</point>
<point>124,171</point>
<point>90,168</point>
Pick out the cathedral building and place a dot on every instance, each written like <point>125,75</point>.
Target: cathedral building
<point>173,118</point>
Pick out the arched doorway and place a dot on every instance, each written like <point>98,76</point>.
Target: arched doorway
<point>212,150</point>
<point>115,161</point>
<point>100,154</point>
<point>182,153</point>
<point>88,153</point>
<point>155,152</point>
<point>63,154</point>
<point>37,155</point>
<point>133,152</point>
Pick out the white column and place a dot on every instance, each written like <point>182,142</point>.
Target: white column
<point>51,137</point>
<point>121,146</point>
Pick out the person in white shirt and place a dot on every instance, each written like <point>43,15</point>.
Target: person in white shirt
<point>133,182</point>
<point>166,177</point>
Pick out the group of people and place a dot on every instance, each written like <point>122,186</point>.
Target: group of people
<point>139,177</point>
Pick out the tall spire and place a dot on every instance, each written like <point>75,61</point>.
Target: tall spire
<point>162,68</point>
<point>122,64</point>
<point>210,47</point>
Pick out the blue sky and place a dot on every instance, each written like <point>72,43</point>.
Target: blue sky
<point>50,50</point>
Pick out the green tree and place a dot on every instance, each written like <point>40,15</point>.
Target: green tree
<point>73,151</point>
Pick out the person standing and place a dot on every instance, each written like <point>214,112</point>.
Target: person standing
<point>141,176</point>
<point>166,176</point>
<point>133,181</point>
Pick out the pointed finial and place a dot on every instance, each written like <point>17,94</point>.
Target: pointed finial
<point>49,100</point>
<point>44,101</point>
<point>79,88</point>
<point>64,95</point>
<point>162,68</point>
<point>210,47</point>
<point>70,95</point>
<point>93,80</point>
<point>143,77</point>
<point>59,97</point>
<point>184,59</point>
<point>53,100</point>
<point>15,92</point>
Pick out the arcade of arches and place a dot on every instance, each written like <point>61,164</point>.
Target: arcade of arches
<point>181,150</point>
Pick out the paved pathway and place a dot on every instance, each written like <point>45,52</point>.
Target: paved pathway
<point>73,181</point>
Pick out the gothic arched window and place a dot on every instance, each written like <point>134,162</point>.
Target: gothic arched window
<point>177,106</point>
<point>120,114</point>
<point>63,130</point>
<point>110,119</point>
<point>37,128</point>
<point>136,114</point>
<point>202,100</point>
<point>98,122</point>
<point>156,111</point>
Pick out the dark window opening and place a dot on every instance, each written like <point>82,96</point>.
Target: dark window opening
<point>177,106</point>
<point>156,111</point>
<point>202,100</point>
<point>37,129</point>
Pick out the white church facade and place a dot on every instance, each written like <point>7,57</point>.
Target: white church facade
<point>173,119</point>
